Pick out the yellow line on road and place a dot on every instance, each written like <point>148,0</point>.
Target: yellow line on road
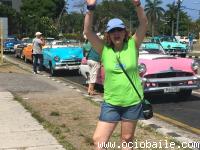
<point>177,123</point>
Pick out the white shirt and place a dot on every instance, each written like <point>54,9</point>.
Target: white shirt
<point>37,46</point>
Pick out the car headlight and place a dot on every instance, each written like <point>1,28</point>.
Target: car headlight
<point>195,65</point>
<point>142,68</point>
<point>57,59</point>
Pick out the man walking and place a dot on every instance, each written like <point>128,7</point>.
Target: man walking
<point>38,42</point>
<point>190,37</point>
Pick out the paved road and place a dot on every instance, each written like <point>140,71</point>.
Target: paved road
<point>186,112</point>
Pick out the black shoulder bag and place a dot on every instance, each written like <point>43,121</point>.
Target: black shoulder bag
<point>146,106</point>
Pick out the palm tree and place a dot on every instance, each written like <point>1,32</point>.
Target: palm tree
<point>154,12</point>
<point>170,15</point>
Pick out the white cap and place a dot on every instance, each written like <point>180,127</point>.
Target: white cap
<point>98,34</point>
<point>38,33</point>
<point>84,36</point>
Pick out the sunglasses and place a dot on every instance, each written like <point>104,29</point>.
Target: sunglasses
<point>115,30</point>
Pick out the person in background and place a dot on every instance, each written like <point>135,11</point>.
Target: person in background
<point>93,61</point>
<point>121,102</point>
<point>86,46</point>
<point>38,42</point>
<point>190,37</point>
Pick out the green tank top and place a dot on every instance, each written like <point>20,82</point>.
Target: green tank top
<point>118,90</point>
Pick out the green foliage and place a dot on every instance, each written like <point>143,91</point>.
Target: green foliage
<point>73,36</point>
<point>51,18</point>
<point>154,13</point>
<point>41,8</point>
<point>110,9</point>
<point>41,16</point>
<point>170,18</point>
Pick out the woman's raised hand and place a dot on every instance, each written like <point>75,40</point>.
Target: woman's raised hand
<point>91,2</point>
<point>136,2</point>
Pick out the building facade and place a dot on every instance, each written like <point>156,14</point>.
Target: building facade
<point>15,4</point>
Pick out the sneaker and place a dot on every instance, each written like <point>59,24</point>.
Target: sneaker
<point>34,72</point>
<point>38,71</point>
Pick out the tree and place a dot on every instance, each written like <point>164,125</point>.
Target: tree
<point>154,12</point>
<point>170,18</point>
<point>111,9</point>
<point>34,11</point>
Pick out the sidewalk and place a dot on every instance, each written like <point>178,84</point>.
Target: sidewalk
<point>19,130</point>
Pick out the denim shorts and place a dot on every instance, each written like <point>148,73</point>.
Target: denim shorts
<point>111,113</point>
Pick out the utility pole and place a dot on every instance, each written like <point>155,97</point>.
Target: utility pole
<point>178,14</point>
<point>1,36</point>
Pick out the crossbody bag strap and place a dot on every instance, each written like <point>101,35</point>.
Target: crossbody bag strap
<point>121,66</point>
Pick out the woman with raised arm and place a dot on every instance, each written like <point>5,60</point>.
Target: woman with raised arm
<point>121,102</point>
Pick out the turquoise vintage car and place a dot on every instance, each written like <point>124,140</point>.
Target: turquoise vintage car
<point>61,55</point>
<point>171,45</point>
<point>152,48</point>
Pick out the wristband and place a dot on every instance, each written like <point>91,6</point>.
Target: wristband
<point>91,7</point>
<point>139,4</point>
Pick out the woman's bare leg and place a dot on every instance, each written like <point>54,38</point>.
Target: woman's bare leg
<point>102,134</point>
<point>127,133</point>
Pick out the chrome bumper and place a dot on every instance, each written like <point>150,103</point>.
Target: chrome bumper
<point>169,87</point>
<point>62,66</point>
<point>8,50</point>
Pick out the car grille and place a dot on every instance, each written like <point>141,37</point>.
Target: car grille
<point>71,62</point>
<point>175,49</point>
<point>169,75</point>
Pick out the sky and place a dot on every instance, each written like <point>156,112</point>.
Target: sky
<point>193,4</point>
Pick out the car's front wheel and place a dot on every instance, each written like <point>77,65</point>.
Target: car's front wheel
<point>25,59</point>
<point>52,71</point>
<point>184,94</point>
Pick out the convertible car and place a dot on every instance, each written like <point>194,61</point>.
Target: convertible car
<point>161,73</point>
<point>171,45</point>
<point>62,55</point>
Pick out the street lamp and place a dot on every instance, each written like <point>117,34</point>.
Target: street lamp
<point>178,14</point>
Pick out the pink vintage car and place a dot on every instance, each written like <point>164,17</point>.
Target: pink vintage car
<point>162,73</point>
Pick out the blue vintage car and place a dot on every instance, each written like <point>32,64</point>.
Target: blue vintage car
<point>61,55</point>
<point>171,45</point>
<point>8,45</point>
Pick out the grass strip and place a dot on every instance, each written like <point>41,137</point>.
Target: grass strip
<point>55,130</point>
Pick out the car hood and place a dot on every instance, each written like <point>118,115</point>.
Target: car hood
<point>156,63</point>
<point>66,52</point>
<point>169,45</point>
<point>9,43</point>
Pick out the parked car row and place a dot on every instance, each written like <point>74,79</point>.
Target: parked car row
<point>171,45</point>
<point>159,72</point>
<point>57,55</point>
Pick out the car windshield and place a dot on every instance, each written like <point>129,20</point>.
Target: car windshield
<point>168,39</point>
<point>154,51</point>
<point>49,40</point>
<point>61,43</point>
<point>73,42</point>
<point>27,41</point>
<point>152,48</point>
<point>10,40</point>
